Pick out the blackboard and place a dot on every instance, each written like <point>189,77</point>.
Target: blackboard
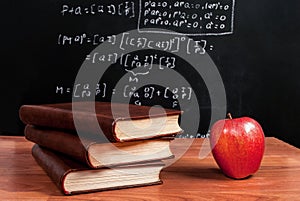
<point>254,46</point>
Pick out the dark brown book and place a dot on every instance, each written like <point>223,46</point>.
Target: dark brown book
<point>96,153</point>
<point>74,178</point>
<point>118,121</point>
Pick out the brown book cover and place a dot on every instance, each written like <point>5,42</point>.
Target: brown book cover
<point>75,178</point>
<point>127,122</point>
<point>96,153</point>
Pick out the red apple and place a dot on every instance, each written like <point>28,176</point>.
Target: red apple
<point>237,146</point>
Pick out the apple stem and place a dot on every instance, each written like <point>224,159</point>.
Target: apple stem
<point>229,115</point>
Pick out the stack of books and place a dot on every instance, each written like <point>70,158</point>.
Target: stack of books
<point>129,151</point>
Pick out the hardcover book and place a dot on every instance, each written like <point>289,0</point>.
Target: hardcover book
<point>118,121</point>
<point>72,177</point>
<point>96,153</point>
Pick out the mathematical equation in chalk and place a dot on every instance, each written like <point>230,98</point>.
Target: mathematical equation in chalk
<point>128,91</point>
<point>84,38</point>
<point>126,9</point>
<point>150,92</point>
<point>83,90</point>
<point>181,18</point>
<point>186,17</point>
<point>127,40</point>
<point>173,44</point>
<point>197,135</point>
<point>143,63</point>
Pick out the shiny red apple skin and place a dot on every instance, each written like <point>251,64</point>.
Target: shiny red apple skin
<point>237,146</point>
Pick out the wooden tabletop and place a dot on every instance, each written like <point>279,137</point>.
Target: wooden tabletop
<point>188,178</point>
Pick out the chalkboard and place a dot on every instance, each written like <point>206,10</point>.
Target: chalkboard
<point>252,45</point>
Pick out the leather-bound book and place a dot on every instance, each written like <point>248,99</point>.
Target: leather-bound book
<point>117,121</point>
<point>72,177</point>
<point>95,153</point>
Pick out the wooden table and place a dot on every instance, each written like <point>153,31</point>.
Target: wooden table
<point>189,178</point>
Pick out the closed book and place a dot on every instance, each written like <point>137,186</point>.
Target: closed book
<point>96,153</point>
<point>72,177</point>
<point>118,121</point>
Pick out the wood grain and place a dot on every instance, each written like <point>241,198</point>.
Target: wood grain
<point>188,178</point>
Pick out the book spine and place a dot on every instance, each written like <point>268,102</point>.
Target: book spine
<point>45,116</point>
<point>53,167</point>
<point>63,119</point>
<point>62,142</point>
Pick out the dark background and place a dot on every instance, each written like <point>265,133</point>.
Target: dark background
<point>259,62</point>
